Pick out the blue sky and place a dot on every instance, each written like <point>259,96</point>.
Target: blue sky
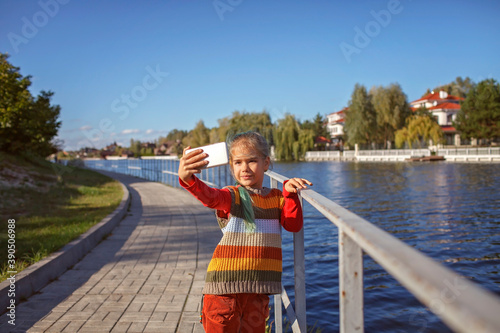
<point>138,69</point>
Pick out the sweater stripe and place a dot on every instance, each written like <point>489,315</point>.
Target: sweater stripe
<point>267,201</point>
<point>231,276</point>
<point>255,239</point>
<point>235,252</point>
<point>243,261</point>
<point>237,224</point>
<point>241,264</point>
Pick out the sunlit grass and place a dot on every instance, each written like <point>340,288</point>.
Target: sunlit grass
<point>53,207</point>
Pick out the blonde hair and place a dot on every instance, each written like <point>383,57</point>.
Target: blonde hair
<point>252,141</point>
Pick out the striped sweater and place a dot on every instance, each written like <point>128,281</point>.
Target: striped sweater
<point>245,262</point>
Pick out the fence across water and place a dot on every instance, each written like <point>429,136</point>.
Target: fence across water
<point>468,307</point>
<point>491,154</point>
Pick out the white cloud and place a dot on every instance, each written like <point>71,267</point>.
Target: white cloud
<point>85,128</point>
<point>130,131</point>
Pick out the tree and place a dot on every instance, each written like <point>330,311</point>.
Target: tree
<point>243,121</point>
<point>479,116</point>
<point>460,87</point>
<point>391,108</point>
<point>317,125</point>
<point>286,134</point>
<point>419,130</point>
<point>135,147</point>
<point>175,135</point>
<point>42,125</point>
<point>360,120</point>
<point>199,136</point>
<point>26,123</point>
<point>305,141</point>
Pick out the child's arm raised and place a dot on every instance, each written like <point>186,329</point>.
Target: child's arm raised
<point>189,165</point>
<point>291,214</point>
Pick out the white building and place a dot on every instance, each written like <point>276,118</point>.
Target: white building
<point>444,108</point>
<point>335,125</point>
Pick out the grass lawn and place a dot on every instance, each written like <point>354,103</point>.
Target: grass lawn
<point>51,205</point>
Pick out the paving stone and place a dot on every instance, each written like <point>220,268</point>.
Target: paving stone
<point>139,279</point>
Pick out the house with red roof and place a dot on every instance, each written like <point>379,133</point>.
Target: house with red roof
<point>444,108</point>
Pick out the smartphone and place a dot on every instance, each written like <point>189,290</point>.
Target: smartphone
<point>217,154</point>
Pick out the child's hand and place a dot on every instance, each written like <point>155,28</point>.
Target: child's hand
<point>295,184</point>
<point>191,163</point>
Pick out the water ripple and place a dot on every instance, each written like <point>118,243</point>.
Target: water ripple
<point>449,211</point>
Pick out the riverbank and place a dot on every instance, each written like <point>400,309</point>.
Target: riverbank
<point>50,205</point>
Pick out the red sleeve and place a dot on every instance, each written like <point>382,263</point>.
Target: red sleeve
<point>219,199</point>
<point>291,214</point>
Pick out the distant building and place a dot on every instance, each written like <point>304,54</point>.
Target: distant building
<point>168,148</point>
<point>148,145</point>
<point>335,127</point>
<point>444,108</point>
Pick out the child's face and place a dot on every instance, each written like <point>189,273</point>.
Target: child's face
<point>248,166</point>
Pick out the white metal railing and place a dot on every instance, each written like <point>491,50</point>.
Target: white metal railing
<point>470,151</point>
<point>349,153</point>
<point>461,304</point>
<point>322,154</point>
<point>394,152</point>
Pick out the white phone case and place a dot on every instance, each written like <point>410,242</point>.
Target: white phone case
<point>217,154</point>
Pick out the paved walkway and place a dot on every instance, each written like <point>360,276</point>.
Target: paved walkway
<point>147,276</point>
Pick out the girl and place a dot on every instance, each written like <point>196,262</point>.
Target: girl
<point>246,264</point>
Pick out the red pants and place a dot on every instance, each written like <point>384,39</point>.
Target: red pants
<point>235,313</point>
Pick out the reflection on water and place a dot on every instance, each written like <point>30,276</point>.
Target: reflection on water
<point>449,211</point>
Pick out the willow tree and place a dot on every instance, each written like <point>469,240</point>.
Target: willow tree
<point>286,137</point>
<point>360,119</point>
<point>391,108</point>
<point>240,122</point>
<point>419,130</point>
<point>305,142</point>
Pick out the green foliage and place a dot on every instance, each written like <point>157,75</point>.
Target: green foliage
<point>176,134</point>
<point>391,109</point>
<point>419,130</point>
<point>460,87</point>
<point>360,119</point>
<point>199,136</point>
<point>285,135</point>
<point>373,118</point>
<point>291,140</point>
<point>135,147</point>
<point>317,125</point>
<point>26,123</point>
<point>479,116</point>
<point>246,121</point>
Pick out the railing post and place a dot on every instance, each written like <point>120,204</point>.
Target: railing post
<point>351,284</point>
<point>278,316</point>
<point>300,277</point>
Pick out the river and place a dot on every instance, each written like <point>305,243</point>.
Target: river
<point>449,211</point>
